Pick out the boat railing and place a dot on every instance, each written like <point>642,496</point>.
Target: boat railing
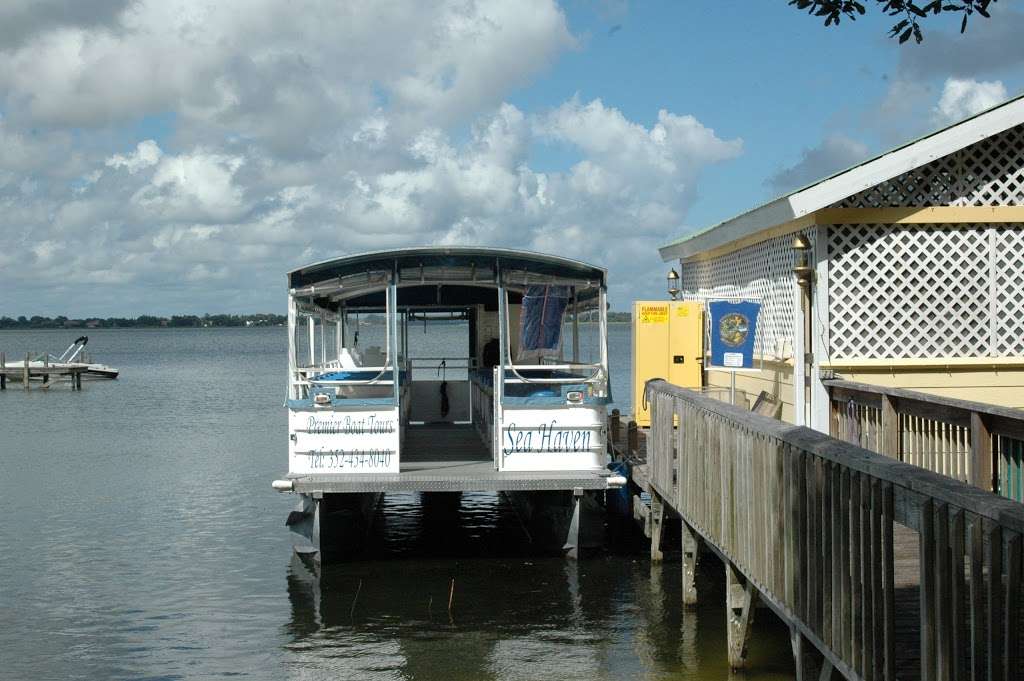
<point>595,376</point>
<point>438,367</point>
<point>379,379</point>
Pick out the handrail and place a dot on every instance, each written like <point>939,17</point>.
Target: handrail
<point>971,441</point>
<point>594,376</point>
<point>953,403</point>
<point>346,381</point>
<point>910,477</point>
<point>809,521</point>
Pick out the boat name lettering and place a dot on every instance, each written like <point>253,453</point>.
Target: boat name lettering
<point>351,458</point>
<point>546,437</point>
<point>368,425</point>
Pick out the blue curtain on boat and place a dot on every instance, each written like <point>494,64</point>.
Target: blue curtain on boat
<point>540,324</point>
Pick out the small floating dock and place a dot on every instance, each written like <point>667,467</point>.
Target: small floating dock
<point>25,372</point>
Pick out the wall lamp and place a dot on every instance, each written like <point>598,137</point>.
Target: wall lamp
<point>802,269</point>
<point>673,283</point>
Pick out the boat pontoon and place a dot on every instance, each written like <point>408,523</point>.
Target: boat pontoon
<point>515,405</point>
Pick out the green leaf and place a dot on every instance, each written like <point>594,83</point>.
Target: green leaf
<point>963,24</point>
<point>906,35</point>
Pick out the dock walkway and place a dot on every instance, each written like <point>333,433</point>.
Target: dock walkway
<point>25,371</point>
<point>881,569</point>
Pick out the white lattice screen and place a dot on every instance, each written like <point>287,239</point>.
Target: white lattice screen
<point>988,173</point>
<point>762,271</point>
<point>925,291</point>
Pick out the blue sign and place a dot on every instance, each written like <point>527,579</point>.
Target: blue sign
<point>732,327</point>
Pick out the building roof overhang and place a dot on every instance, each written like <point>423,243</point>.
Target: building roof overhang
<point>803,203</point>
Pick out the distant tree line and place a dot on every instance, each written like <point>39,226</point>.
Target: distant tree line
<point>185,321</point>
<point>144,321</point>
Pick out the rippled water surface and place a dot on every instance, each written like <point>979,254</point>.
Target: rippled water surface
<point>141,540</point>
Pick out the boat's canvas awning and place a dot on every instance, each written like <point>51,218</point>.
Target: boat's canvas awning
<point>440,275</point>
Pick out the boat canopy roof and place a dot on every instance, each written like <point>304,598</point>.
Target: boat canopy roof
<point>445,275</point>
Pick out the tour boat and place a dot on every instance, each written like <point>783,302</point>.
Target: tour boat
<point>515,404</point>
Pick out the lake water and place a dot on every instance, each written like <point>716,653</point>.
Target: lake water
<point>141,540</point>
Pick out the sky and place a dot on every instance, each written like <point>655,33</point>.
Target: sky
<point>180,156</point>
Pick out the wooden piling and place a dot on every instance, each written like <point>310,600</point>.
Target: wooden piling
<point>3,371</point>
<point>25,370</point>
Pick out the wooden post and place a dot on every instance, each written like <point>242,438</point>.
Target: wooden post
<point>46,370</point>
<point>739,612</point>
<point>982,469</point>
<point>890,428</point>
<point>633,439</point>
<point>994,593</point>
<point>614,426</point>
<point>691,549</point>
<point>3,371</point>
<point>24,371</point>
<point>926,547</point>
<point>655,521</point>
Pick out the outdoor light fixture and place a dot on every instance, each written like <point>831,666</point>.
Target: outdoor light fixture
<point>673,283</point>
<point>802,269</point>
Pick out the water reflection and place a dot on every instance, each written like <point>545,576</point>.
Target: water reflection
<point>514,615</point>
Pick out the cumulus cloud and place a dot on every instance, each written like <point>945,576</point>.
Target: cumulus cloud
<point>833,154</point>
<point>302,130</point>
<point>962,98</point>
<point>146,154</point>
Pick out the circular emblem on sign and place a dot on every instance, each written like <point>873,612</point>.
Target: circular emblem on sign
<point>733,329</point>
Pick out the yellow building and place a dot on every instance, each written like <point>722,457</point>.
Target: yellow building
<point>916,262</point>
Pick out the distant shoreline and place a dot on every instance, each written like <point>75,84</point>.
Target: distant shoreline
<point>60,323</point>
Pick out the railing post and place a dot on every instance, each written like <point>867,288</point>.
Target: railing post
<point>632,439</point>
<point>890,429</point>
<point>614,425</point>
<point>691,551</point>
<point>982,464</point>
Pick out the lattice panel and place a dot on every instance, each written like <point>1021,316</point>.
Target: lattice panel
<point>1008,285</point>
<point>987,173</point>
<point>901,291</point>
<point>762,271</point>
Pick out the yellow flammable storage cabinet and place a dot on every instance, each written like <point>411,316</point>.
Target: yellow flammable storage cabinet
<point>668,342</point>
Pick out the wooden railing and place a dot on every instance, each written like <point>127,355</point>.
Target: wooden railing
<point>977,443</point>
<point>807,521</point>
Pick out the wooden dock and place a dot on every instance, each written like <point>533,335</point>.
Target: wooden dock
<point>25,372</point>
<point>881,569</point>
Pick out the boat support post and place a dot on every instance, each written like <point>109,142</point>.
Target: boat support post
<point>305,521</point>
<point>572,539</point>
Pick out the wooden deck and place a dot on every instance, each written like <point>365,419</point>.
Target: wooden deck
<point>450,458</point>
<point>26,372</point>
<point>881,569</point>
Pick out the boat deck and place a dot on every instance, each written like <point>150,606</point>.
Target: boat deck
<point>449,458</point>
